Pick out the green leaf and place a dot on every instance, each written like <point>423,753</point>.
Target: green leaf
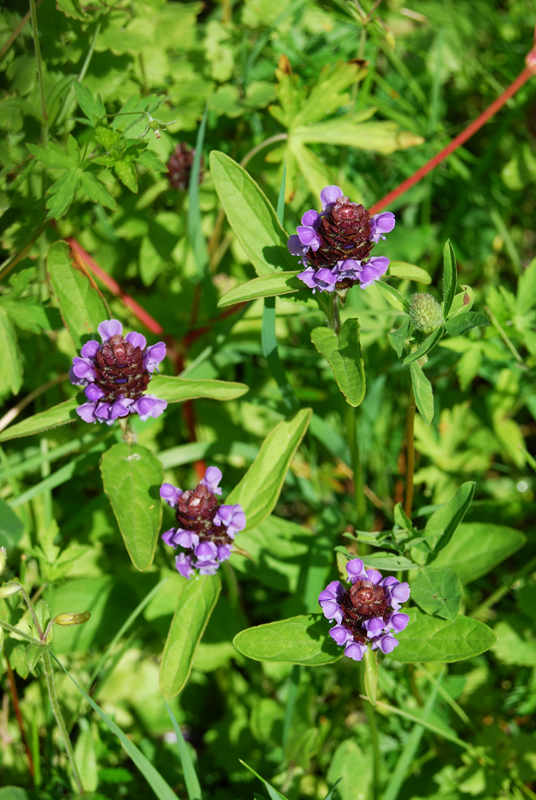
<point>400,337</point>
<point>82,309</point>
<point>57,415</point>
<point>13,793</point>
<point>62,193</point>
<point>526,290</point>
<point>429,343</point>
<point>97,191</point>
<point>464,322</point>
<point>422,389</point>
<point>477,547</point>
<point>157,783</point>
<point>195,604</point>
<point>91,106</point>
<point>438,592</point>
<point>10,363</point>
<point>273,794</point>
<point>52,156</point>
<point>432,639</point>
<point>259,489</point>
<point>11,527</point>
<point>343,353</point>
<point>27,313</point>
<point>408,272</point>
<point>463,302</point>
<point>177,390</point>
<point>445,520</point>
<point>126,172</point>
<point>190,776</point>
<point>298,640</point>
<point>388,561</point>
<point>275,283</point>
<point>251,216</point>
<point>370,663</point>
<point>34,653</point>
<point>450,277</point>
<point>132,477</point>
<point>393,296</point>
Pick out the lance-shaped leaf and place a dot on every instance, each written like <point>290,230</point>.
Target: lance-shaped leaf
<point>259,489</point>
<point>432,639</point>
<point>445,520</point>
<point>343,353</point>
<point>10,363</point>
<point>424,348</point>
<point>57,415</point>
<point>298,640</point>
<point>409,272</point>
<point>196,601</point>
<point>80,304</point>
<point>393,296</point>
<point>177,390</point>
<point>275,283</point>
<point>438,592</point>
<point>450,276</point>
<point>477,547</point>
<point>251,216</point>
<point>422,389</point>
<point>464,322</point>
<point>132,477</point>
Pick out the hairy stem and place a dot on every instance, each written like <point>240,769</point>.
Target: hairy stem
<point>7,627</point>
<point>410,452</point>
<point>32,611</point>
<point>33,13</point>
<point>54,702</point>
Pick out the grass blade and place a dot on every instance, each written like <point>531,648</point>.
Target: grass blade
<point>190,775</point>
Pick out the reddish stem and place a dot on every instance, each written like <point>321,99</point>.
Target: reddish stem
<point>20,721</point>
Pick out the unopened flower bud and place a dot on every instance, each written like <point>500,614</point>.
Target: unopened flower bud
<point>72,619</point>
<point>3,559</point>
<point>8,589</point>
<point>425,312</point>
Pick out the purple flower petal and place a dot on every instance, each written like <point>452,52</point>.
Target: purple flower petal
<point>137,339</point>
<point>309,237</point>
<point>83,369</point>
<point>373,270</point>
<point>169,537</point>
<point>333,591</point>
<point>186,539</point>
<point>398,621</point>
<point>224,551</point>
<point>340,634</point>
<point>207,567</point>
<point>374,576</point>
<point>154,355</point>
<point>109,328</point>
<point>121,407</point>
<point>329,195</point>
<point>374,626</point>
<point>90,349</point>
<point>355,651</point>
<point>310,219</point>
<point>331,610</point>
<point>350,269</point>
<point>149,406</point>
<point>390,580</point>
<point>206,551</point>
<point>170,494</point>
<point>94,392</point>
<point>401,592</point>
<point>213,476</point>
<point>295,247</point>
<point>322,279</point>
<point>356,570</point>
<point>87,412</point>
<point>385,643</point>
<point>380,224</point>
<point>102,411</point>
<point>233,517</point>
<point>184,565</point>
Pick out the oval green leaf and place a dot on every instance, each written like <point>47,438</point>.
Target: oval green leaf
<point>409,272</point>
<point>428,344</point>
<point>57,415</point>
<point>422,389</point>
<point>343,354</point>
<point>393,296</point>
<point>432,639</point>
<point>251,216</point>
<point>477,547</point>
<point>197,598</point>
<point>132,477</point>
<point>275,283</point>
<point>450,277</point>
<point>298,640</point>
<point>81,307</point>
<point>462,323</point>
<point>259,489</point>
<point>446,519</point>
<point>438,592</point>
<point>177,390</point>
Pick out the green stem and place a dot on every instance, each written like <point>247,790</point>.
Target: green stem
<point>32,612</point>
<point>410,452</point>
<point>336,318</point>
<point>18,632</point>
<point>69,96</point>
<point>373,731</point>
<point>357,467</point>
<point>54,702</point>
<point>33,13</point>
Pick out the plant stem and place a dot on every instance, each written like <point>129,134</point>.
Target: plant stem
<point>18,632</point>
<point>20,720</point>
<point>336,318</point>
<point>357,467</point>
<point>504,336</point>
<point>370,711</point>
<point>54,702</point>
<point>17,30</point>
<point>13,260</point>
<point>33,13</point>
<point>69,96</point>
<point>410,452</point>
<point>32,612</point>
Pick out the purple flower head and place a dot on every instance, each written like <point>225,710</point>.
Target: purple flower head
<point>116,374</point>
<point>205,529</point>
<point>184,565</point>
<point>334,246</point>
<point>366,612</point>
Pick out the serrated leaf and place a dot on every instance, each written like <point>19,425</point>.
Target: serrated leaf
<point>57,415</point>
<point>132,476</point>
<point>27,313</point>
<point>150,160</point>
<point>126,172</point>
<point>52,156</point>
<point>97,191</point>
<point>62,193</point>
<point>10,363</point>
<point>408,272</point>
<point>298,640</point>
<point>177,390</point>
<point>461,323</point>
<point>425,347</point>
<point>108,137</point>
<point>438,592</point>
<point>196,601</point>
<point>82,309</point>
<point>276,283</point>
<point>251,216</point>
<point>422,389</point>
<point>343,353</point>
<point>478,547</point>
<point>393,296</point>
<point>445,520</point>
<point>450,277</point>
<point>90,105</point>
<point>259,489</point>
<point>432,639</point>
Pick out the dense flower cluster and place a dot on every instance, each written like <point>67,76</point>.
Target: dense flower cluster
<point>367,612</point>
<point>206,529</point>
<point>116,374</point>
<point>334,246</point>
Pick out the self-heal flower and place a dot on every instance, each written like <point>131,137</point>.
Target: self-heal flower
<point>205,529</point>
<point>366,613</point>
<point>115,375</point>
<point>334,245</point>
